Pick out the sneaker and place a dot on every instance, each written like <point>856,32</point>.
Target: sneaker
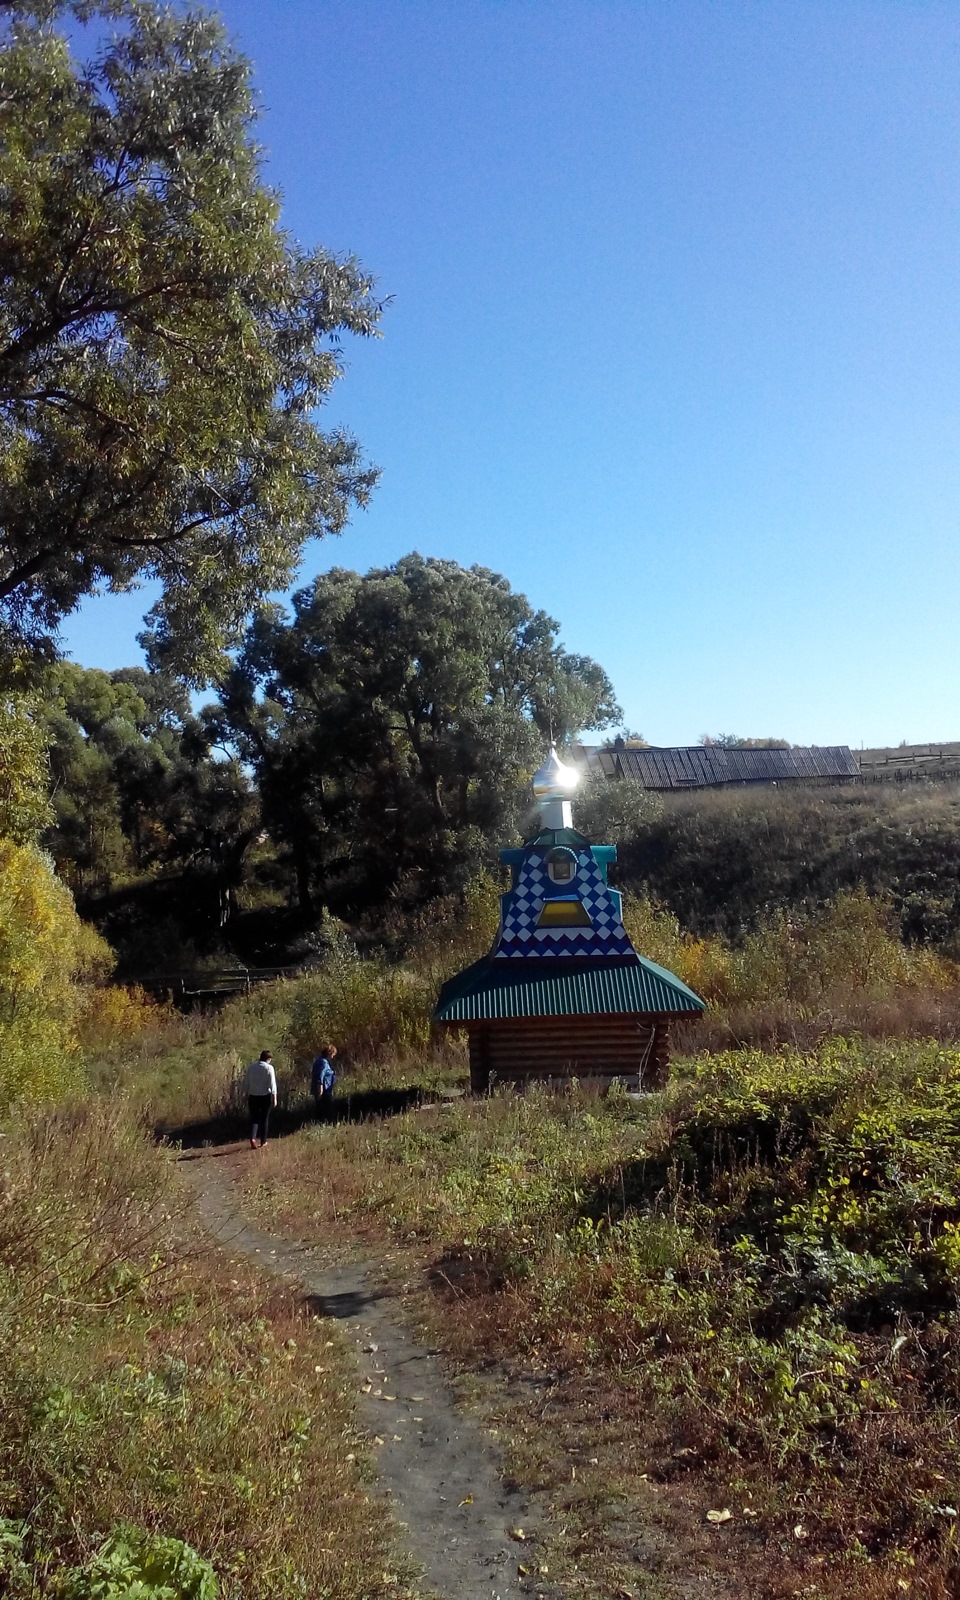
<point>253,1144</point>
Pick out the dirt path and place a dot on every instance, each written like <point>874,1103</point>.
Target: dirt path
<point>437,1466</point>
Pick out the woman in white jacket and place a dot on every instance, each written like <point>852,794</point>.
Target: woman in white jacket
<point>261,1096</point>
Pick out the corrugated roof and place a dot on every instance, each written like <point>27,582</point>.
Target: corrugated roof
<point>564,987</point>
<point>704,766</point>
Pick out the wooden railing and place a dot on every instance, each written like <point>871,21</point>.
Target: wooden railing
<point>193,984</point>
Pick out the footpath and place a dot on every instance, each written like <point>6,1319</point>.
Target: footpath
<point>438,1471</point>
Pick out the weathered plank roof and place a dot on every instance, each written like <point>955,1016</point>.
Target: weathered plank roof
<point>704,766</point>
<point>563,987</point>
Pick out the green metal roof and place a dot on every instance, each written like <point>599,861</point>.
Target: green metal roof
<point>492,990</point>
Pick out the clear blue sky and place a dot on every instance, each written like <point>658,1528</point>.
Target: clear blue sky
<point>675,337</point>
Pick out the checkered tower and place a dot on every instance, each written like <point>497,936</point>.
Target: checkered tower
<point>559,902</point>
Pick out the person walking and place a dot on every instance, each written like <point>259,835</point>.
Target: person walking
<point>261,1096</point>
<point>323,1080</point>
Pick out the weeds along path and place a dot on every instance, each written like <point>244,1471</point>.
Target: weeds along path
<point>436,1465</point>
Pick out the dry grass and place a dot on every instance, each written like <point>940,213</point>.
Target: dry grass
<point>625,1313</point>
<point>147,1382</point>
<point>645,1299</point>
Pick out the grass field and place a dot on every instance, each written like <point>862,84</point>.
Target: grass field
<point>748,1283</point>
<point>169,1418</point>
<point>738,1295</point>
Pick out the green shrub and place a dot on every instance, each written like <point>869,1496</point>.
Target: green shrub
<point>134,1563</point>
<point>363,1007</point>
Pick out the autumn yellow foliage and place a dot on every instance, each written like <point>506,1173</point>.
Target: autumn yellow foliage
<point>850,946</point>
<point>45,954</point>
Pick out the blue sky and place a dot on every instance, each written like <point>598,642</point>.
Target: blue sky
<point>675,333</point>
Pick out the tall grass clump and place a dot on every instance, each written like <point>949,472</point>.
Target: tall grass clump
<point>368,1005</point>
<point>842,965</point>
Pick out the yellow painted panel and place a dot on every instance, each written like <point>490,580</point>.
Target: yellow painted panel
<point>563,914</point>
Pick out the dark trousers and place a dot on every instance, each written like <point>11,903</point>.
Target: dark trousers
<point>260,1105</point>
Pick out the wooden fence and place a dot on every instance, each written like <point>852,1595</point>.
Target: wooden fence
<point>218,983</point>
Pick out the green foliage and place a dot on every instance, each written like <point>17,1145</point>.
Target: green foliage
<point>136,789</point>
<point>163,342</point>
<point>394,723</point>
<point>610,811</point>
<point>852,1149</point>
<point>24,769</point>
<point>14,1571</point>
<point>133,1564</point>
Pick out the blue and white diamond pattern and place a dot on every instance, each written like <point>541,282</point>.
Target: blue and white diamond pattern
<point>521,907</point>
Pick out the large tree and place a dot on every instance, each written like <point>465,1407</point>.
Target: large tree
<point>393,721</point>
<point>164,344</point>
<point>136,791</point>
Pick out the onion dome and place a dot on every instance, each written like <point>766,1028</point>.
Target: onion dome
<point>554,780</point>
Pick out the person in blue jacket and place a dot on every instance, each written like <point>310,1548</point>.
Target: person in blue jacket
<point>323,1080</point>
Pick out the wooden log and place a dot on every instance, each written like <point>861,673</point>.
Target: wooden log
<point>552,1049</point>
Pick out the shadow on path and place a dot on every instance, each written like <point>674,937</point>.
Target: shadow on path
<point>231,1128</point>
<point>341,1304</point>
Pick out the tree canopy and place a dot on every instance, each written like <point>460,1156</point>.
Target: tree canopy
<point>137,791</point>
<point>393,722</point>
<point>164,343</point>
<point>24,770</point>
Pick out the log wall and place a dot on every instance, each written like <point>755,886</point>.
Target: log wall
<point>539,1049</point>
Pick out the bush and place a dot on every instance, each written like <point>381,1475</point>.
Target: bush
<point>150,1566</point>
<point>364,1007</point>
<point>25,808</point>
<point>45,953</point>
<point>115,1017</point>
<point>832,967</point>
